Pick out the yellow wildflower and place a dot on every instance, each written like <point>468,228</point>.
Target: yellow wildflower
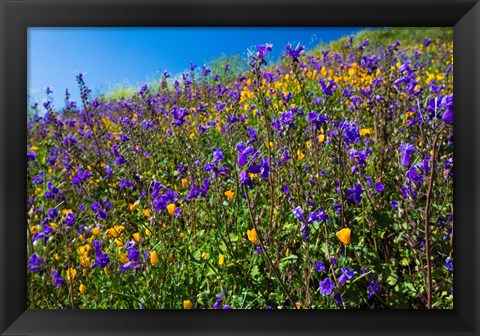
<point>71,273</point>
<point>300,155</point>
<point>171,209</point>
<point>344,235</point>
<point>408,115</point>
<point>221,260</point>
<point>115,231</point>
<point>187,304</point>
<point>118,242</point>
<point>133,207</point>
<point>82,288</point>
<point>148,232</point>
<point>33,229</point>
<point>252,236</point>
<point>96,230</point>
<point>83,250</point>
<point>365,131</point>
<point>184,182</point>
<point>122,256</point>
<point>154,258</point>
<point>146,212</point>
<point>136,236</point>
<point>204,255</point>
<point>230,194</point>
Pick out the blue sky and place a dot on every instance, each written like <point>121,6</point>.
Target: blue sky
<point>111,56</point>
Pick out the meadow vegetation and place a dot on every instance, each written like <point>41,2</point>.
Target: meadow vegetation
<point>323,181</point>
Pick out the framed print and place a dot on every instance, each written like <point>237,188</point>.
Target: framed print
<point>270,167</point>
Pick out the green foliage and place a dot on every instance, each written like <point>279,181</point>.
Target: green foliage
<point>251,193</point>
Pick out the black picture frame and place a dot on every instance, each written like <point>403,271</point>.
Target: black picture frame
<point>17,15</point>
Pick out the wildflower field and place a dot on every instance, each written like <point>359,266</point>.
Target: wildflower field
<point>323,180</point>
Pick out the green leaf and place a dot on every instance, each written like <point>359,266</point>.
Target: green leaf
<point>291,257</point>
<point>234,237</point>
<point>392,279</point>
<point>255,271</point>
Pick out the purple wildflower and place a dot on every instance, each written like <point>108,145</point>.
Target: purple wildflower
<point>70,219</point>
<point>447,102</point>
<point>407,151</point>
<point>243,154</point>
<point>102,261</point>
<point>355,194</point>
<point>449,264</point>
<point>57,279</point>
<point>347,274</point>
<point>372,289</point>
<point>102,214</point>
<point>96,207</point>
<point>263,50</point>
<point>414,175</point>
<point>217,155</point>
<point>319,266</point>
<point>31,155</point>
<point>298,213</point>
<point>326,286</point>
<point>295,53</point>
<point>379,187</point>
<point>245,179</point>
<point>285,189</point>
<point>34,263</point>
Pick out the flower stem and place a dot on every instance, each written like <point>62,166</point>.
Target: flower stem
<point>269,261</point>
<point>427,219</point>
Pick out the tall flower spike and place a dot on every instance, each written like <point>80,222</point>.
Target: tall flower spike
<point>262,50</point>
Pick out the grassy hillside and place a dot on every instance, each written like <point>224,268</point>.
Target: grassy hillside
<point>323,181</point>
